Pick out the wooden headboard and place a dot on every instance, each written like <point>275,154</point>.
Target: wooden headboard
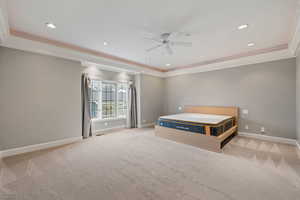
<point>214,110</point>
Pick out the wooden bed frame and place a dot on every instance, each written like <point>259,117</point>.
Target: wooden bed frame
<point>212,143</point>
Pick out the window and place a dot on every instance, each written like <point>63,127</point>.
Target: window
<point>122,100</point>
<point>108,100</point>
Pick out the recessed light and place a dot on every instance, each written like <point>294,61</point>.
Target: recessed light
<point>105,43</point>
<point>243,26</point>
<point>50,25</point>
<point>168,64</point>
<point>251,44</point>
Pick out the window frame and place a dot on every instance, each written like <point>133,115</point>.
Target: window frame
<point>116,83</point>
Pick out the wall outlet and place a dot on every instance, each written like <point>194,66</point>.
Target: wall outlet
<point>179,107</point>
<point>262,129</point>
<point>105,124</point>
<point>246,127</point>
<point>245,111</point>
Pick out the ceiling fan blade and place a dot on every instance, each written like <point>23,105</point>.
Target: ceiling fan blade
<point>180,34</point>
<point>155,47</point>
<point>169,50</point>
<point>185,44</point>
<point>153,39</point>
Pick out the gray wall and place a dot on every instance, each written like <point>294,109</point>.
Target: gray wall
<point>152,98</point>
<point>298,96</point>
<point>40,98</point>
<point>267,90</point>
<point>94,72</point>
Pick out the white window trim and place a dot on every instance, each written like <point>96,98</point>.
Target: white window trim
<point>109,119</point>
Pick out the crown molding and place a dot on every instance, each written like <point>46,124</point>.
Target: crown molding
<point>80,49</point>
<point>4,27</point>
<point>295,41</point>
<point>24,44</point>
<point>249,60</point>
<point>106,64</point>
<point>233,57</point>
<point>107,67</point>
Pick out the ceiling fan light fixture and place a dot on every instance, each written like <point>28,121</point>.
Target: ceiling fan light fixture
<point>50,25</point>
<point>243,26</point>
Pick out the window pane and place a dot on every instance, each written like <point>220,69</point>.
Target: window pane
<point>95,93</point>
<point>122,100</point>
<point>108,100</point>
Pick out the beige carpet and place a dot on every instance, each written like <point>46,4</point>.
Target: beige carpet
<point>136,165</point>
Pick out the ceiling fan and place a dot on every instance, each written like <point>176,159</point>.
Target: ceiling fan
<point>165,42</point>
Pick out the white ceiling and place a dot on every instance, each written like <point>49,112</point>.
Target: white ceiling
<point>124,24</point>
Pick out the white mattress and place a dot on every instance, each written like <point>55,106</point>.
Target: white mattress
<point>197,118</point>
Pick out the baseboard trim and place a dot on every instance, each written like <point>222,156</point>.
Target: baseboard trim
<point>36,147</point>
<point>109,129</point>
<point>270,138</point>
<point>298,145</point>
<point>147,125</point>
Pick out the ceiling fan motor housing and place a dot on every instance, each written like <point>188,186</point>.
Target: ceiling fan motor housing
<point>165,36</point>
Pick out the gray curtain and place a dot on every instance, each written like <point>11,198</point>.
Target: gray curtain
<point>132,118</point>
<point>86,115</point>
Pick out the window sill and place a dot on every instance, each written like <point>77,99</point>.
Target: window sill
<point>106,120</point>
